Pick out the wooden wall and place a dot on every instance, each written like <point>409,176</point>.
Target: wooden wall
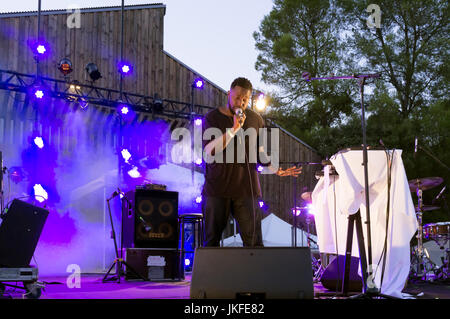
<point>156,71</point>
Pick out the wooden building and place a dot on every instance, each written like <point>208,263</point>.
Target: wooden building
<point>98,40</point>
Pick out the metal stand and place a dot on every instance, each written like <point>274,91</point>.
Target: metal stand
<point>118,262</point>
<point>373,291</point>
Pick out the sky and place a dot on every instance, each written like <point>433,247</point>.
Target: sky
<point>213,37</point>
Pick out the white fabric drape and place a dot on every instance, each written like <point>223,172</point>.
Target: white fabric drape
<point>336,197</point>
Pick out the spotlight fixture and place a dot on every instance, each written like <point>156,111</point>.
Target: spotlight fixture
<point>40,194</point>
<point>38,92</point>
<point>92,70</point>
<point>40,48</point>
<point>157,104</point>
<point>198,83</point>
<point>65,66</point>
<point>198,199</point>
<point>125,68</point>
<point>39,141</point>
<point>261,103</point>
<point>198,122</point>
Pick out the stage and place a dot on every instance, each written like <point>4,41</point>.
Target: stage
<point>92,287</point>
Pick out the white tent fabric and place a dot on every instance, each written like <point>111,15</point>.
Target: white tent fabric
<point>276,233</point>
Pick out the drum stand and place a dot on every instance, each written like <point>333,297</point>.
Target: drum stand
<point>420,263</point>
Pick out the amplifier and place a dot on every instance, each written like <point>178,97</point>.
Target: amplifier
<point>161,264</point>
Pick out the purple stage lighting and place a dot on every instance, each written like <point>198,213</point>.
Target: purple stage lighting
<point>198,122</point>
<point>40,193</point>
<point>311,209</point>
<point>124,109</point>
<point>261,204</point>
<point>125,68</point>
<point>38,93</point>
<point>187,262</point>
<point>39,142</point>
<point>198,161</point>
<point>198,199</point>
<point>198,83</point>
<point>40,48</point>
<point>260,168</point>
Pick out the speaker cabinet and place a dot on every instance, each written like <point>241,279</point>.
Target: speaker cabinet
<point>19,233</point>
<point>333,275</point>
<point>255,273</point>
<point>153,264</point>
<point>150,219</point>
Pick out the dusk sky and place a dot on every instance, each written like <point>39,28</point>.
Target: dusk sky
<point>212,37</point>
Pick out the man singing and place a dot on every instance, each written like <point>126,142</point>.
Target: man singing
<point>231,185</point>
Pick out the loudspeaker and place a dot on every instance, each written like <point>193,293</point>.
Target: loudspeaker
<point>254,273</point>
<point>334,273</point>
<point>153,264</point>
<point>150,219</point>
<point>19,233</point>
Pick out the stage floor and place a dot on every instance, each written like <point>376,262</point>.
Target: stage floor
<point>92,287</point>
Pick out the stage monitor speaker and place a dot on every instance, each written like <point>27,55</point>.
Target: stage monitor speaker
<point>150,219</point>
<point>334,273</point>
<point>19,233</point>
<point>253,273</point>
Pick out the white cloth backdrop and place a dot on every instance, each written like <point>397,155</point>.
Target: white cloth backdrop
<point>336,197</point>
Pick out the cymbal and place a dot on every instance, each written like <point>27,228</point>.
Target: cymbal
<point>424,183</point>
<point>427,208</point>
<point>307,196</point>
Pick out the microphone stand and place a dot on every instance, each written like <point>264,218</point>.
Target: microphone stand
<point>119,261</point>
<point>368,292</point>
<point>294,224</point>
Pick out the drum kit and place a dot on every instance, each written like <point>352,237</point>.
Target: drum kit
<point>422,266</point>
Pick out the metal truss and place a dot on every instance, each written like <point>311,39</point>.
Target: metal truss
<point>73,91</point>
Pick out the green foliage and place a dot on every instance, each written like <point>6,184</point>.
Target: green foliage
<point>410,50</point>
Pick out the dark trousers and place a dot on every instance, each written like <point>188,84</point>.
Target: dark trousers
<point>246,212</point>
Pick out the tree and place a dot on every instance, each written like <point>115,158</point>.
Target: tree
<point>410,48</point>
<point>295,37</point>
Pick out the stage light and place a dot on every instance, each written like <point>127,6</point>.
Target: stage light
<point>261,103</point>
<point>198,199</point>
<point>65,66</point>
<point>198,122</point>
<point>16,174</point>
<point>260,168</point>
<point>125,68</point>
<point>124,109</point>
<point>198,83</point>
<point>261,204</point>
<point>311,209</point>
<point>187,262</point>
<point>134,173</point>
<point>157,104</point>
<point>39,142</point>
<point>297,211</point>
<point>125,155</point>
<point>39,94</point>
<point>40,193</point>
<point>198,161</point>
<point>40,48</point>
<point>92,70</point>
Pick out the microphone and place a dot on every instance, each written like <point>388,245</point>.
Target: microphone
<point>439,195</point>
<point>239,112</point>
